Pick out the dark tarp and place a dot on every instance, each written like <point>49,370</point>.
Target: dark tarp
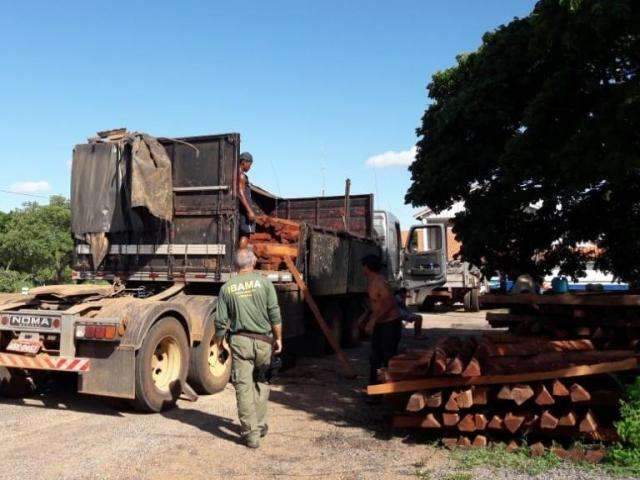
<point>151,184</point>
<point>96,183</point>
<point>109,179</point>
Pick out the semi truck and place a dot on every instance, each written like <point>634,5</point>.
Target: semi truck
<point>137,323</point>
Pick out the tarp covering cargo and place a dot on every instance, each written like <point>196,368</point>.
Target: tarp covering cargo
<point>110,180</point>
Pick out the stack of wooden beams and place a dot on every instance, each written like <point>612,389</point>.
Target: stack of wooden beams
<point>610,320</point>
<point>275,239</point>
<point>504,387</point>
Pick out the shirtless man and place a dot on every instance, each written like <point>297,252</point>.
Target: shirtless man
<point>385,319</point>
<point>247,215</point>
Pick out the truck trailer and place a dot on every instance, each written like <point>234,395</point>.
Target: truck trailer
<point>155,223</point>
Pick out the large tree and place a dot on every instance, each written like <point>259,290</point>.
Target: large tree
<point>35,244</point>
<point>538,132</point>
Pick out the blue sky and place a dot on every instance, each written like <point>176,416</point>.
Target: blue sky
<point>314,88</point>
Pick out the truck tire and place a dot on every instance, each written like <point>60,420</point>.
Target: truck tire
<point>15,384</point>
<point>161,366</point>
<point>471,300</point>
<point>209,368</point>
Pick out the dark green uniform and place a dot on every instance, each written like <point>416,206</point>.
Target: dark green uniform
<point>248,303</point>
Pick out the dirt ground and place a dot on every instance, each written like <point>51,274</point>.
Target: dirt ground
<point>320,427</point>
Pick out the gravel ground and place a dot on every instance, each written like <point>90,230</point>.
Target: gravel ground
<point>320,427</point>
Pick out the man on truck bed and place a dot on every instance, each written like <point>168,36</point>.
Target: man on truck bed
<point>247,215</point>
<point>248,309</point>
<point>385,319</point>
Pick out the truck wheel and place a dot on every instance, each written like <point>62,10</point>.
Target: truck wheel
<point>15,384</point>
<point>161,366</point>
<point>209,367</point>
<point>471,300</point>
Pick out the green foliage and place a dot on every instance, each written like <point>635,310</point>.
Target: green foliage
<point>35,244</point>
<point>538,132</point>
<point>625,457</point>
<point>12,281</point>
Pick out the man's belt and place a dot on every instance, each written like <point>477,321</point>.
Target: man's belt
<point>256,336</point>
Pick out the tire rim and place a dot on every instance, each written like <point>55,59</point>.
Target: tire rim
<point>217,359</point>
<point>166,363</point>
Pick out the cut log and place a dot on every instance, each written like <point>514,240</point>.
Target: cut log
<point>505,393</point>
<point>450,419</point>
<point>464,441</point>
<point>467,424</point>
<point>417,401</point>
<point>473,368</point>
<point>579,394</point>
<point>512,446</point>
<point>415,421</point>
<point>455,365</point>
<point>521,393</point>
<point>465,398</point>
<point>537,449</point>
<point>439,360</point>
<point>513,422</point>
<point>567,420</point>
<point>434,400</point>
<point>496,423</point>
<point>588,423</point>
<point>479,441</point>
<point>433,383</point>
<point>480,395</point>
<point>548,421</point>
<point>450,442</point>
<point>480,421</point>
<point>452,403</point>
<point>543,397</point>
<point>559,390</point>
<point>560,452</point>
<point>595,455</point>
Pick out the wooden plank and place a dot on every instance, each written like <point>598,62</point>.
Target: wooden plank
<point>579,394</point>
<point>543,397</point>
<point>587,300</point>
<point>548,421</point>
<point>521,393</point>
<point>319,318</point>
<point>417,401</point>
<point>480,395</point>
<point>434,400</point>
<point>433,383</point>
<point>415,421</point>
<point>559,390</point>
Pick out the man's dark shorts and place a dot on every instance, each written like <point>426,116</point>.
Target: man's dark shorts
<point>245,226</point>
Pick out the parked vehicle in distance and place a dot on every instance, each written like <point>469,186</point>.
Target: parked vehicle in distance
<point>425,265</point>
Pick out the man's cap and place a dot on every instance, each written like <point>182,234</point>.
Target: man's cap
<point>246,157</point>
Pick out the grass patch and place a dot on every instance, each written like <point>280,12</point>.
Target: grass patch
<point>497,457</point>
<point>459,476</point>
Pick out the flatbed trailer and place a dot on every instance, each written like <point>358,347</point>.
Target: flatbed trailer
<point>146,329</point>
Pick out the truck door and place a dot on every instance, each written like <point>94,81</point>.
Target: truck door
<point>424,262</point>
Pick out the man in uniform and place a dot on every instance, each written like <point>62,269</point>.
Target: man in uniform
<point>248,310</point>
<point>385,319</point>
<point>247,215</point>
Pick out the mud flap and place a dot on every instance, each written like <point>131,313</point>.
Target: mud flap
<point>111,375</point>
